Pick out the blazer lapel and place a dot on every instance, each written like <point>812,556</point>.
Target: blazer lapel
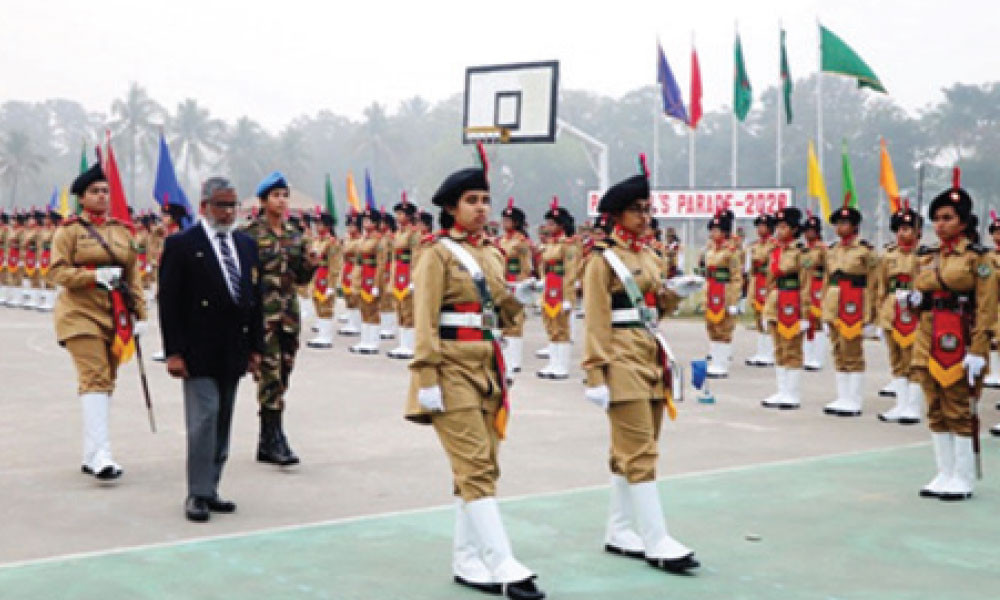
<point>204,251</point>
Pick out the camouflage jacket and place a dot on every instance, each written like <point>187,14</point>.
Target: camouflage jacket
<point>284,264</point>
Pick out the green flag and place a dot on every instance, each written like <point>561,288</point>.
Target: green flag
<point>742,93</point>
<point>847,189</point>
<point>330,205</point>
<point>83,168</point>
<point>786,80</point>
<point>838,57</point>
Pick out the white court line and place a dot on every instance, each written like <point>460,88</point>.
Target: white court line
<point>427,509</point>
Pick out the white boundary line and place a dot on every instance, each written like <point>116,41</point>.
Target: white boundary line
<point>413,511</point>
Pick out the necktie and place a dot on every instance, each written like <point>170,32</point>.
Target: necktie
<point>229,262</point>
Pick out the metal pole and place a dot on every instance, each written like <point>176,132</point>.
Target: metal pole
<point>819,108</point>
<point>777,107</point>
<point>656,146</point>
<point>691,158</point>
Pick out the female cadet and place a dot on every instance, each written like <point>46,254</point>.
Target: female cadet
<point>370,264</point>
<point>627,375</point>
<point>404,246</point>
<point>723,264</point>
<point>94,260</point>
<point>786,308</point>
<point>348,267</point>
<point>894,280</point>
<point>848,308</point>
<point>992,379</point>
<point>558,266</point>
<point>457,381</point>
<point>757,256</point>
<point>956,294</point>
<point>516,247</point>
<point>814,344</point>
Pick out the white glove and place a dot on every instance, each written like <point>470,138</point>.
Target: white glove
<point>685,285</point>
<point>973,366</point>
<point>578,284</point>
<point>734,309</point>
<point>107,277</point>
<point>916,298</point>
<point>804,325</point>
<point>567,305</point>
<point>826,328</point>
<point>600,395</point>
<point>329,291</point>
<point>139,329</point>
<point>410,286</point>
<point>375,292</point>
<point>903,297</point>
<point>764,325</point>
<point>743,305</point>
<point>870,331</point>
<point>524,291</point>
<point>430,399</point>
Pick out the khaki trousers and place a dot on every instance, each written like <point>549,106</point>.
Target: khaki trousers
<point>635,431</point>
<point>96,367</point>
<point>472,446</point>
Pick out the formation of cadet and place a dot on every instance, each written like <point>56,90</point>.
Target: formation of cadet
<point>722,264</point>
<point>25,259</point>
<point>558,268</point>
<point>757,258</point>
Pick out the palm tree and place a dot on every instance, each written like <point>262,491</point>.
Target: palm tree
<point>138,117</point>
<point>246,153</point>
<point>18,159</point>
<point>194,135</point>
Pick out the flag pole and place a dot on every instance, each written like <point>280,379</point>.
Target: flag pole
<point>656,146</point>
<point>778,106</point>
<point>691,149</point>
<point>734,166</point>
<point>819,102</point>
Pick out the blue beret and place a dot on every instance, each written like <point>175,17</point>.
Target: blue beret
<point>274,181</point>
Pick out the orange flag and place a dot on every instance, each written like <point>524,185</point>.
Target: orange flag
<point>887,178</point>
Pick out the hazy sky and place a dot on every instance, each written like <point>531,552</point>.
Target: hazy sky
<point>277,60</point>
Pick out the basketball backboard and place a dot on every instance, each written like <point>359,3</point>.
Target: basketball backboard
<point>512,103</point>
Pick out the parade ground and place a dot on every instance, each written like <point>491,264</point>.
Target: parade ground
<point>790,504</point>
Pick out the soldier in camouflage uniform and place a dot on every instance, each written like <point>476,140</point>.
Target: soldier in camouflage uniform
<point>285,263</point>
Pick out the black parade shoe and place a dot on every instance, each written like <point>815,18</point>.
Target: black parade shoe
<point>523,590</point>
<point>494,589</point>
<point>677,566</point>
<point>612,549</point>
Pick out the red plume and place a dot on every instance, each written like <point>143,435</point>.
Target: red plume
<point>404,200</point>
<point>483,160</point>
<point>993,215</point>
<point>643,167</point>
<point>906,204</point>
<point>510,202</point>
<point>809,214</point>
<point>555,203</point>
<point>956,178</point>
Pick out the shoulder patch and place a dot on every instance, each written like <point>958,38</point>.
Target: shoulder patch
<point>984,270</point>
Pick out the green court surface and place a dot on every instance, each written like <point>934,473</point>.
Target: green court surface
<point>848,526</point>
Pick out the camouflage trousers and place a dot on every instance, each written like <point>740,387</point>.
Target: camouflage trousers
<point>276,367</point>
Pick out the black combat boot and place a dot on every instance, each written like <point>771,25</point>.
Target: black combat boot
<point>272,446</point>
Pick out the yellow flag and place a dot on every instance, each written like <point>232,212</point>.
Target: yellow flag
<point>815,187</point>
<point>64,202</point>
<point>887,178</point>
<point>352,193</point>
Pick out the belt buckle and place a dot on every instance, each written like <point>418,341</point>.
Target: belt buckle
<point>647,314</point>
<point>489,321</point>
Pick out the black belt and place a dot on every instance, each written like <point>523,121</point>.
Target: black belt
<point>855,280</point>
<point>956,302</point>
<point>787,282</point>
<point>720,274</point>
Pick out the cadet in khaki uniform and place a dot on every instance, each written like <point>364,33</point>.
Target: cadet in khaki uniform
<point>558,266</point>
<point>285,264</point>
<point>457,382</point>
<point>347,288</point>
<point>404,247</point>
<point>32,254</point>
<point>894,281</point>
<point>956,293</point>
<point>849,309</point>
<point>327,248</point>
<point>47,291</point>
<point>628,376</point>
<point>369,278</point>
<point>757,285</point>
<point>4,234</point>
<point>387,300</point>
<point>723,263</point>
<point>787,307</point>
<point>91,254</point>
<point>15,260</point>
<point>814,344</point>
<point>992,379</point>
<point>517,251</point>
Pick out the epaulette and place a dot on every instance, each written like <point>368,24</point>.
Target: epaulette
<point>889,246</point>
<point>604,244</point>
<point>926,250</point>
<point>866,244</point>
<point>978,249</point>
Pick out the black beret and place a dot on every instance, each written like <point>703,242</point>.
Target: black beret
<point>722,221</point>
<point>619,196</point>
<point>374,215</point>
<point>994,225</point>
<point>427,219</point>
<point>83,180</point>
<point>905,216</point>
<point>764,220</point>
<point>39,215</point>
<point>956,197</point>
<point>813,222</point>
<point>176,212</point>
<point>559,214</point>
<point>389,220</point>
<point>326,219</point>
<point>790,215</point>
<point>848,213</point>
<point>514,213</point>
<point>459,182</point>
<point>406,207</point>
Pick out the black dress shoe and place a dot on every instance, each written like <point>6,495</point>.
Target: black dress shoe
<point>487,588</point>
<point>108,473</point>
<point>523,590</point>
<point>196,509</point>
<point>217,504</point>
<point>612,549</point>
<point>677,566</point>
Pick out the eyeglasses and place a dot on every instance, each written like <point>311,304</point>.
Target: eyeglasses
<point>644,209</point>
<point>224,205</point>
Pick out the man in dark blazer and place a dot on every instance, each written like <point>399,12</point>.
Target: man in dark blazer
<point>210,317</point>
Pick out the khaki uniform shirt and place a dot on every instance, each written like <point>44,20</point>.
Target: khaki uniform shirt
<point>517,255</point>
<point>855,258</point>
<point>463,369</point>
<point>83,307</point>
<point>726,256</point>
<point>565,251</point>
<point>895,262</point>
<point>759,253</point>
<point>792,262</point>
<point>965,269</point>
<point>406,238</point>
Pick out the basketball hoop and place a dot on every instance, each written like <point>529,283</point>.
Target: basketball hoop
<point>511,104</point>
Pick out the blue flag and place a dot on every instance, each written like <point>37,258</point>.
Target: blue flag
<point>166,189</point>
<point>369,192</point>
<point>673,104</point>
<point>54,200</point>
